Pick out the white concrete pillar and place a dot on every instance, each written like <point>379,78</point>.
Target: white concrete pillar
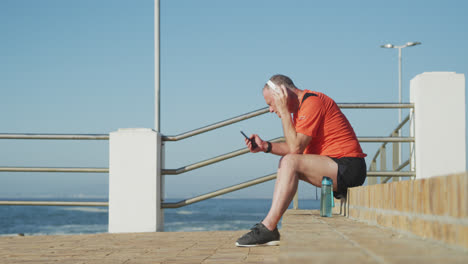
<point>135,181</point>
<point>439,123</point>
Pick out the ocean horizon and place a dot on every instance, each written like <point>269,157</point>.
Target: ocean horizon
<point>209,215</point>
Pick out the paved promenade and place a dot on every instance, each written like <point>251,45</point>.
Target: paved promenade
<point>306,238</point>
<point>309,238</point>
<point>164,247</point>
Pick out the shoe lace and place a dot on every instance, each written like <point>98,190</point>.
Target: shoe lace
<point>255,229</point>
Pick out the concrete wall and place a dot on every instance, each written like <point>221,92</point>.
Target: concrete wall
<point>435,208</point>
<point>439,123</point>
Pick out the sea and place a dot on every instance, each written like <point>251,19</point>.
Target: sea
<point>208,215</point>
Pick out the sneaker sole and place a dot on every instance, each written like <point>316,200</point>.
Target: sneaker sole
<point>271,243</point>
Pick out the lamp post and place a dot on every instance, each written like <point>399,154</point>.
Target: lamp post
<point>391,46</point>
<point>157,62</point>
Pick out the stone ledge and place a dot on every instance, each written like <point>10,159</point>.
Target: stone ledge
<point>434,208</point>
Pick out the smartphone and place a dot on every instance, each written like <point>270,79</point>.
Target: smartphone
<point>254,145</point>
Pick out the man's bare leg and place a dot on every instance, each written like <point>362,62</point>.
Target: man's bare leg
<point>310,168</point>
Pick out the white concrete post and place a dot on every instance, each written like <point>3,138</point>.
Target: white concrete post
<point>439,123</point>
<point>135,181</point>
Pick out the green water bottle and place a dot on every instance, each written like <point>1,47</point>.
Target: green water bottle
<point>326,200</point>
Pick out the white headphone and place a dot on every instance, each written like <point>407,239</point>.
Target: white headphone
<point>273,86</point>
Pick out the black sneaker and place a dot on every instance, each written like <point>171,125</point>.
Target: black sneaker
<point>259,236</point>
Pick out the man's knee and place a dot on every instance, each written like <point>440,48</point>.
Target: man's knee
<point>288,161</point>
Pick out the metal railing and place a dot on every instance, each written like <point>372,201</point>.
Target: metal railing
<point>195,165</point>
<point>220,192</point>
<point>53,203</point>
<point>50,169</point>
<point>56,136</point>
<point>266,110</point>
<point>30,136</point>
<point>216,159</point>
<point>397,167</point>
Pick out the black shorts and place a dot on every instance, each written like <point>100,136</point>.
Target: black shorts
<point>351,172</point>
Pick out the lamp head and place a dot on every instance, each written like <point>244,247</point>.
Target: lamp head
<point>409,44</point>
<point>387,46</point>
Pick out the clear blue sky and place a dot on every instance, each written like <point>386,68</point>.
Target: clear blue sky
<point>87,67</point>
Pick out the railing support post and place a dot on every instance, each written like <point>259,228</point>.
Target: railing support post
<point>372,180</point>
<point>396,156</point>
<point>383,160</point>
<point>135,187</point>
<point>296,200</point>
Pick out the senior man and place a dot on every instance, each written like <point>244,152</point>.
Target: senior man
<point>320,142</point>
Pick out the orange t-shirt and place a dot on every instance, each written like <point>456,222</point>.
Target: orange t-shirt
<point>332,135</point>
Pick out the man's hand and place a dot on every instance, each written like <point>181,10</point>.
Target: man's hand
<point>261,145</point>
<point>281,101</point>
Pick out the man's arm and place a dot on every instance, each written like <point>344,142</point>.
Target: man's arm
<point>277,148</point>
<point>295,142</point>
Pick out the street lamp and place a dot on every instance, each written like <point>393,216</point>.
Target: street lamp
<point>391,46</point>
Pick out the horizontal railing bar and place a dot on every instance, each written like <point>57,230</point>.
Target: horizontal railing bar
<point>377,153</point>
<point>407,118</point>
<point>375,105</point>
<point>190,133</point>
<point>395,130</point>
<point>390,173</point>
<point>188,167</point>
<point>50,169</point>
<point>386,139</point>
<point>246,150</point>
<point>56,136</point>
<point>52,203</point>
<point>193,132</point>
<point>212,160</point>
<point>220,192</point>
<point>216,125</point>
<point>266,110</point>
<point>404,164</point>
